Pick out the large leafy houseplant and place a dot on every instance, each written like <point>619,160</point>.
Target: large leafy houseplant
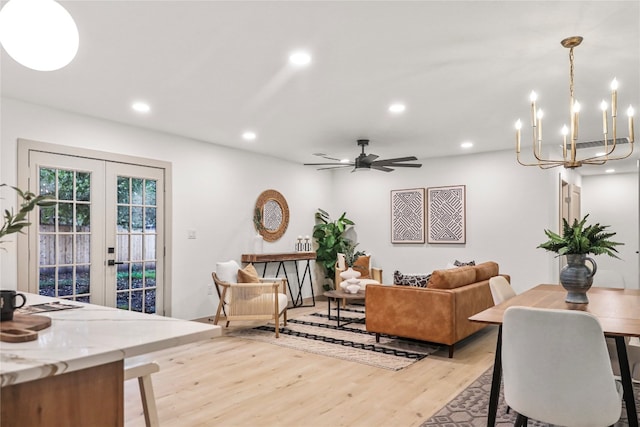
<point>15,222</point>
<point>329,235</point>
<point>350,253</point>
<point>578,239</point>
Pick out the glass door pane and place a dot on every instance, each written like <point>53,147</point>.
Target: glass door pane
<point>135,233</point>
<point>69,261</point>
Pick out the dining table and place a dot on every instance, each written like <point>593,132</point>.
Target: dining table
<point>617,310</point>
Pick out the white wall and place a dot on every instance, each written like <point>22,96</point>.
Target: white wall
<point>507,206</point>
<point>214,193</point>
<point>613,200</point>
<point>215,188</point>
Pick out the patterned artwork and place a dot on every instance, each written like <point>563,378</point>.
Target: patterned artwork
<point>446,214</point>
<point>407,216</point>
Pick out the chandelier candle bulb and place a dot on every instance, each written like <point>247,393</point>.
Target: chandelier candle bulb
<point>630,112</point>
<point>540,115</point>
<point>533,98</point>
<point>614,97</point>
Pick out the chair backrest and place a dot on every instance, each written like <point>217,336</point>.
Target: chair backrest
<point>227,271</point>
<point>501,290</point>
<point>556,367</point>
<point>608,279</point>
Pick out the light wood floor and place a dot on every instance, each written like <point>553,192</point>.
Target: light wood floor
<point>234,382</point>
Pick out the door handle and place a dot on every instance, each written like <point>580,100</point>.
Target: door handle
<point>114,262</point>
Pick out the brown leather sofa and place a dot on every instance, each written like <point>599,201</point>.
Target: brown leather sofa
<point>438,313</point>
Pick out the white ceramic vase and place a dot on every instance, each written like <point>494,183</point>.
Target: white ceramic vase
<point>349,273</point>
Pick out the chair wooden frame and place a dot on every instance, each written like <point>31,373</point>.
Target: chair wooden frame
<point>251,301</point>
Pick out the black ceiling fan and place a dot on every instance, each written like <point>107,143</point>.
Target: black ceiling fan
<point>368,161</point>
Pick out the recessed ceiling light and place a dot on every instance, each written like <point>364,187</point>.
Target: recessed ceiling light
<point>397,108</point>
<point>300,58</point>
<point>601,153</point>
<point>249,136</point>
<point>344,161</point>
<point>141,107</point>
<point>466,144</point>
<point>610,170</point>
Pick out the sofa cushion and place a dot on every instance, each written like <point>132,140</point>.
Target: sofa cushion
<point>486,271</point>
<point>362,265</point>
<point>417,280</point>
<point>451,279</point>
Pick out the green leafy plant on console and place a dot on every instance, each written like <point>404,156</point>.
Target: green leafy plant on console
<point>329,236</point>
<point>578,239</point>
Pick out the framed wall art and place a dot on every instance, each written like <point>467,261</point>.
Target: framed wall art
<point>407,216</point>
<point>446,214</point>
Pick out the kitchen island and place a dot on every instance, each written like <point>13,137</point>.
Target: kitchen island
<point>72,375</point>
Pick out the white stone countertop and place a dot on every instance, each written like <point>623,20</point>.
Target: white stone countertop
<point>92,335</point>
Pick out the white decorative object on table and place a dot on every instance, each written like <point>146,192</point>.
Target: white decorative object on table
<point>353,289</point>
<point>349,273</point>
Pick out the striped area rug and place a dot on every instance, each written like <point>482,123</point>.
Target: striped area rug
<point>319,334</point>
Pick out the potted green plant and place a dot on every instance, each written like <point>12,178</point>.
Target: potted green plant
<point>15,222</point>
<point>329,236</point>
<point>576,242</point>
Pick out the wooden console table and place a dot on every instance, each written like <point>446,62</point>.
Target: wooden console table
<point>281,258</point>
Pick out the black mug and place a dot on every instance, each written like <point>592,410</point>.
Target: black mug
<point>8,303</point>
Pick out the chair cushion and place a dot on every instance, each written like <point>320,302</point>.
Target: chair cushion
<point>227,271</point>
<point>248,275</point>
<point>362,265</point>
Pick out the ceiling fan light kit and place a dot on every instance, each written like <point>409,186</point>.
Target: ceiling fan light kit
<point>569,154</point>
<point>365,162</point>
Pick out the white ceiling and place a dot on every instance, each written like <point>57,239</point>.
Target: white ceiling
<point>464,69</point>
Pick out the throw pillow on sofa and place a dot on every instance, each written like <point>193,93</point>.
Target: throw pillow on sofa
<point>415,280</point>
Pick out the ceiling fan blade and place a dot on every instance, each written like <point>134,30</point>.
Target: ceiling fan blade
<point>324,156</point>
<point>381,168</point>
<point>333,167</point>
<point>398,159</point>
<point>404,165</point>
<point>328,164</point>
<point>370,158</point>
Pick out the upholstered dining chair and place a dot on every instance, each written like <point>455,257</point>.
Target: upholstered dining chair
<point>615,279</point>
<point>245,296</point>
<point>501,289</point>
<point>556,368</point>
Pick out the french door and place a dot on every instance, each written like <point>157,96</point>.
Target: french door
<point>103,241</point>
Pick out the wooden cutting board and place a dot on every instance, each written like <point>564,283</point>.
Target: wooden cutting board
<point>23,327</point>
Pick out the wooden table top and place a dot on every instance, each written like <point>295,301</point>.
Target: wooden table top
<point>276,257</point>
<point>618,310</point>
